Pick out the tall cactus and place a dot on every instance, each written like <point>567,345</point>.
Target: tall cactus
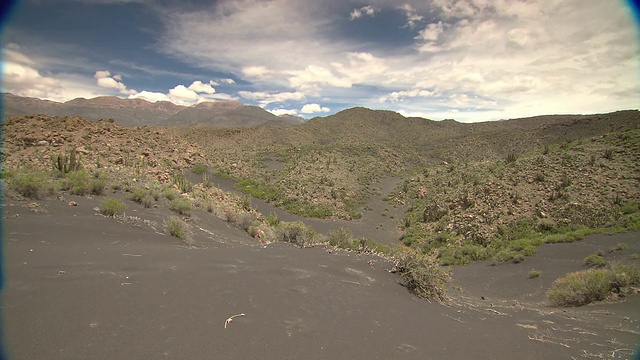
<point>65,164</point>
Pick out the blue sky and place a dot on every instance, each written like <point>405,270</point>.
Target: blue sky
<point>470,60</point>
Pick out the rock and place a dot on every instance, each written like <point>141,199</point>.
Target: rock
<point>73,203</point>
<point>43,143</point>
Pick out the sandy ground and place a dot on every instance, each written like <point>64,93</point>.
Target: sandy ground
<point>83,286</point>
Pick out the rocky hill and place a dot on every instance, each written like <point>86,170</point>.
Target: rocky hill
<point>139,112</point>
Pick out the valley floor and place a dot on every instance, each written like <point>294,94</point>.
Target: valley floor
<point>83,286</point>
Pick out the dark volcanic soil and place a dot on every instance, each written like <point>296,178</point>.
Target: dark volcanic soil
<point>83,286</point>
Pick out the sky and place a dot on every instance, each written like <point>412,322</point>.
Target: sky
<point>469,60</point>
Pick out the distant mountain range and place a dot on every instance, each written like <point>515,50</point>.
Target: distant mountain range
<point>139,112</point>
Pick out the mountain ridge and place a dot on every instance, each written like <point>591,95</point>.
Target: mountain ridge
<point>140,112</point>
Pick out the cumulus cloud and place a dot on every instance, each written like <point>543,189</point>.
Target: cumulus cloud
<point>280,112</point>
<point>150,96</point>
<point>199,87</point>
<point>314,108</point>
<point>106,80</point>
<point>21,76</point>
<point>365,10</point>
<point>227,81</point>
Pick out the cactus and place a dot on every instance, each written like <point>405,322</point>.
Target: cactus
<point>65,164</point>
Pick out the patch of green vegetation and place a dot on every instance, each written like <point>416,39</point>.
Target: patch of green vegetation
<point>199,169</point>
<point>584,287</point>
<point>181,206</point>
<point>31,184</point>
<point>178,228</point>
<point>111,207</point>
<point>534,274</point>
<point>171,193</point>
<point>423,276</point>
<point>261,191</point>
<point>296,233</point>
<point>594,260</point>
<point>97,186</point>
<point>77,182</point>
<point>297,207</point>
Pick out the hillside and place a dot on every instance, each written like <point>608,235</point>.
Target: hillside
<point>139,112</point>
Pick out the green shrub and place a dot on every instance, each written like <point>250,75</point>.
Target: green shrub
<point>181,206</point>
<point>199,169</point>
<point>31,184</point>
<point>581,288</point>
<point>245,220</point>
<point>584,287</point>
<point>625,274</point>
<point>341,238</point>
<point>77,182</point>
<point>147,201</point>
<point>534,274</point>
<point>272,219</point>
<point>96,186</point>
<point>629,207</point>
<point>423,277</point>
<point>295,232</point>
<point>171,193</point>
<point>594,260</point>
<point>138,194</point>
<point>178,228</point>
<point>111,207</point>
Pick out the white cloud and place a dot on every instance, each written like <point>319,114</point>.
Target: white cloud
<point>150,96</point>
<point>432,31</point>
<point>105,80</point>
<point>183,94</point>
<point>255,72</point>
<point>314,75</point>
<point>227,81</point>
<point>265,98</point>
<point>200,87</point>
<point>280,112</point>
<point>313,108</point>
<point>365,10</point>
<point>412,16</point>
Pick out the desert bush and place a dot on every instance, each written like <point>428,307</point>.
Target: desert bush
<point>629,207</point>
<point>341,238</point>
<point>581,288</point>
<point>273,219</point>
<point>619,247</point>
<point>147,201</point>
<point>230,214</point>
<point>423,276</point>
<point>96,186</point>
<point>295,232</point>
<point>30,184</point>
<point>77,182</point>
<point>178,228</point>
<point>138,194</point>
<point>594,260</point>
<point>181,206</point>
<point>245,220</point>
<point>171,193</point>
<point>111,207</point>
<point>584,287</point>
<point>545,225</point>
<point>534,274</point>
<point>625,274</point>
